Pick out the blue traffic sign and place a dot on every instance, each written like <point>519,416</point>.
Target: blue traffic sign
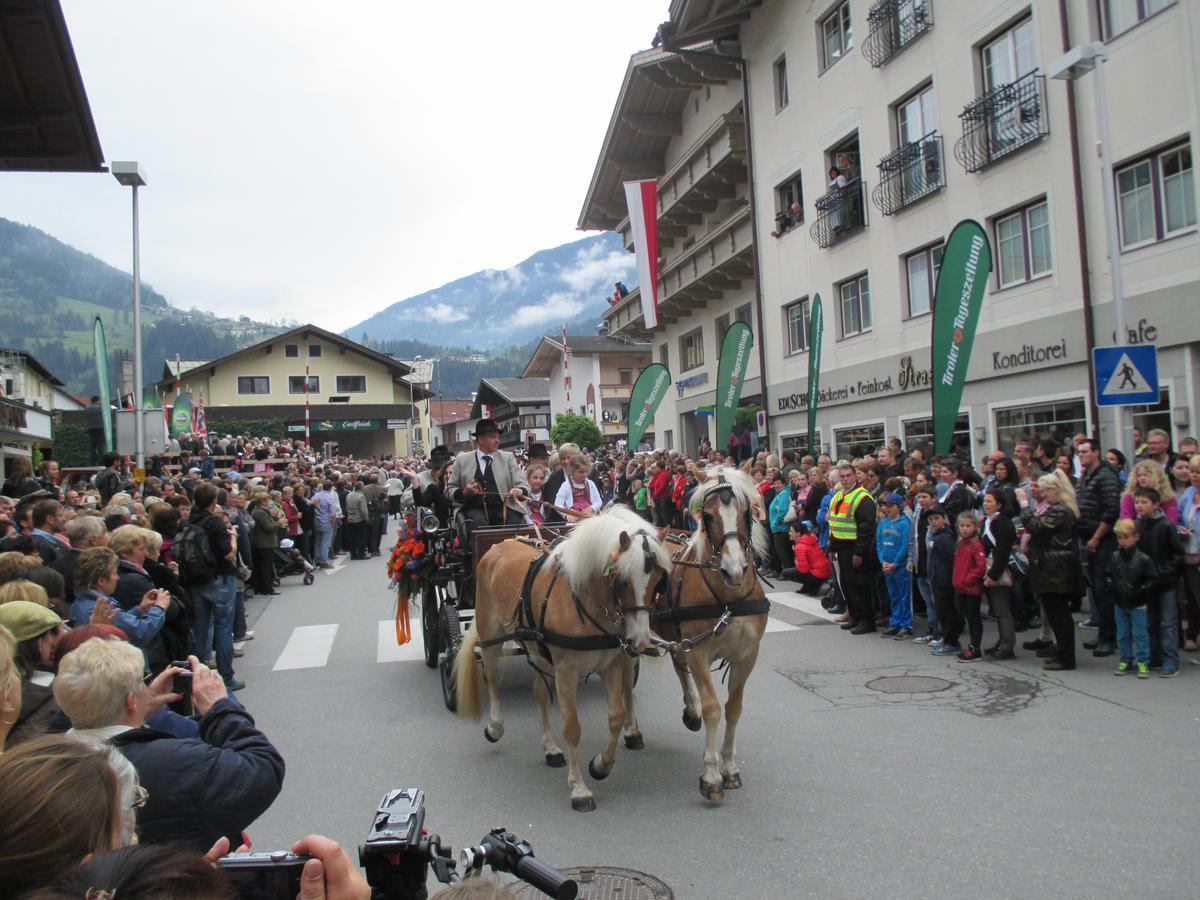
<point>1126,376</point>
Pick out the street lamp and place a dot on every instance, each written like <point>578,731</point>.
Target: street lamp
<point>1071,66</point>
<point>130,175</point>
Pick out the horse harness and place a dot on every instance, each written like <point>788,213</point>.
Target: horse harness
<point>531,624</point>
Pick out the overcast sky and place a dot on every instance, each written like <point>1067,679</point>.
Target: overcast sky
<point>319,161</point>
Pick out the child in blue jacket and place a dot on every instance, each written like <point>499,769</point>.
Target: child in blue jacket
<point>891,546</point>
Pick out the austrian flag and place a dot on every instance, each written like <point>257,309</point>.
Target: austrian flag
<point>642,198</point>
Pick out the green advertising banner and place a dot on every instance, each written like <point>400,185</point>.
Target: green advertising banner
<point>644,400</point>
<point>731,373</point>
<point>958,299</point>
<point>181,415</point>
<point>341,425</point>
<point>816,327</point>
<point>101,350</point>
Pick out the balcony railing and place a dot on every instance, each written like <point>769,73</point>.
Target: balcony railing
<point>909,173</point>
<point>1002,121</point>
<point>841,214</point>
<point>894,24</point>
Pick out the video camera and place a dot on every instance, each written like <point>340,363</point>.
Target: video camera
<point>397,855</point>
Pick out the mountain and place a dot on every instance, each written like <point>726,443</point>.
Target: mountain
<point>496,308</point>
<point>51,294</point>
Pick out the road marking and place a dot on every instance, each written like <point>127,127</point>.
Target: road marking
<point>388,650</point>
<point>774,624</point>
<point>808,605</point>
<point>307,648</point>
<point>336,565</point>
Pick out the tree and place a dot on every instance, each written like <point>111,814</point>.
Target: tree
<point>576,429</point>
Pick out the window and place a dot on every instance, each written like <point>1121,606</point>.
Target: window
<point>663,356</point>
<point>836,36</point>
<point>535,420</point>
<point>291,351</point>
<point>314,349</point>
<point>1023,244</point>
<point>624,376</point>
<point>1118,16</point>
<point>855,296</point>
<point>918,435</point>
<point>1057,422</point>
<point>253,384</point>
<point>722,327</point>
<point>921,271</point>
<point>1010,56</point>
<point>796,317</point>
<point>916,117</point>
<point>351,384</point>
<point>851,443</point>
<point>296,384</point>
<point>789,205</point>
<point>781,87</point>
<point>1156,197</point>
<point>797,442</point>
<point>742,314</point>
<point>691,350</point>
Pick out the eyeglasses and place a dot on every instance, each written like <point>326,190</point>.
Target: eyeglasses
<point>142,796</point>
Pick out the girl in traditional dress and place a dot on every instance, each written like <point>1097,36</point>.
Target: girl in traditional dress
<point>578,492</point>
<point>535,474</point>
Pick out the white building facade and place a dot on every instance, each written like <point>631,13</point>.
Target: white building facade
<point>935,112</point>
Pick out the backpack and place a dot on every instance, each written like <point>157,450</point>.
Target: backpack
<point>193,551</point>
<point>375,506</point>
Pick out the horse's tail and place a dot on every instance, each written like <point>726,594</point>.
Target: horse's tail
<point>466,678</point>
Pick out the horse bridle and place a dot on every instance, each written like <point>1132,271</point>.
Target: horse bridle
<point>650,560</point>
<point>724,492</point>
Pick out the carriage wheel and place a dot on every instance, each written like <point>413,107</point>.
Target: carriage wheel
<point>308,577</point>
<point>429,626</point>
<point>451,636</point>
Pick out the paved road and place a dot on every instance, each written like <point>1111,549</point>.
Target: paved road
<point>1008,783</point>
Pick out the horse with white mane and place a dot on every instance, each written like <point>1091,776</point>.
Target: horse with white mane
<point>715,609</point>
<point>583,606</point>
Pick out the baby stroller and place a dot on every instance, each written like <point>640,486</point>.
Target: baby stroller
<point>290,561</point>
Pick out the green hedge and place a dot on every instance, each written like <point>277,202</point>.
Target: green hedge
<point>71,445</point>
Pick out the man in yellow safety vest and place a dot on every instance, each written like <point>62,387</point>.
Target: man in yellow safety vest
<point>851,544</point>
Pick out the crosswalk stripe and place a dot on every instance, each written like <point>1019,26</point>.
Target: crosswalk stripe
<point>307,648</point>
<point>803,603</point>
<point>387,650</point>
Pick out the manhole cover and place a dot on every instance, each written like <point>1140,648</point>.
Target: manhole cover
<point>606,883</point>
<point>909,684</point>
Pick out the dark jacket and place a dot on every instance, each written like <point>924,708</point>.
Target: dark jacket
<point>1131,576</point>
<point>812,503</point>
<point>941,558</point>
<point>1159,540</point>
<point>218,539</point>
<point>1053,552</point>
<point>64,565</point>
<point>957,500</point>
<point>47,548</point>
<point>202,789</point>
<point>264,534</point>
<point>131,588</point>
<point>176,632</point>
<point>998,544</point>
<point>1099,498</point>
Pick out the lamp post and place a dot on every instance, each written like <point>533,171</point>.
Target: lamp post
<point>1071,66</point>
<point>131,175</point>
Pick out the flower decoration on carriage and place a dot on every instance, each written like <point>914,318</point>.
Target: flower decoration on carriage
<point>412,565</point>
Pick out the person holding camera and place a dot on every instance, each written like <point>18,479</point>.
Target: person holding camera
<point>200,789</point>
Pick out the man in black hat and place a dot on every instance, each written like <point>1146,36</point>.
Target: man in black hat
<point>537,453</point>
<point>486,481</point>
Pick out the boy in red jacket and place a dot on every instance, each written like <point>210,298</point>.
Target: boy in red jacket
<point>812,565</point>
<point>969,567</point>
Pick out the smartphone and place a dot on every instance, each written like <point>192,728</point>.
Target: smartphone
<point>181,683</point>
<point>264,876</point>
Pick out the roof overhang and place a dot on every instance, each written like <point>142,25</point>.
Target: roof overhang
<point>647,115</point>
<point>692,21</point>
<point>46,122</point>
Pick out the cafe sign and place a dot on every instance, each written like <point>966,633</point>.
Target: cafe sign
<point>340,425</point>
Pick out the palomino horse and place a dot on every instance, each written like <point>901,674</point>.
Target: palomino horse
<point>715,609</point>
<point>583,606</point>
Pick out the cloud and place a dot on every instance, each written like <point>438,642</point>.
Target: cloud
<point>556,307</point>
<point>595,270</point>
<point>444,313</point>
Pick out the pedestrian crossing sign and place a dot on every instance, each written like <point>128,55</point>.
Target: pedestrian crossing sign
<point>1126,376</point>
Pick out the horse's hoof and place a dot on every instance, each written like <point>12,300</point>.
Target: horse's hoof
<point>634,742</point>
<point>693,723</point>
<point>598,774</point>
<point>555,760</point>
<point>583,804</point>
<point>732,782</point>
<point>487,734</point>
<point>712,792</point>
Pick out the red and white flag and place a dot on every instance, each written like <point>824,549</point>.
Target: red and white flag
<point>642,198</point>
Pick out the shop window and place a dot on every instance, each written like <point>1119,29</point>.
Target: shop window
<point>918,435</point>
<point>851,443</point>
<point>798,442</point>
<point>1057,422</point>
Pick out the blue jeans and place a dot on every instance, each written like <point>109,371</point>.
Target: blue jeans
<point>925,586</point>
<point>214,604</point>
<point>324,533</point>
<point>1132,633</point>
<point>1163,625</point>
<point>899,588</point>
